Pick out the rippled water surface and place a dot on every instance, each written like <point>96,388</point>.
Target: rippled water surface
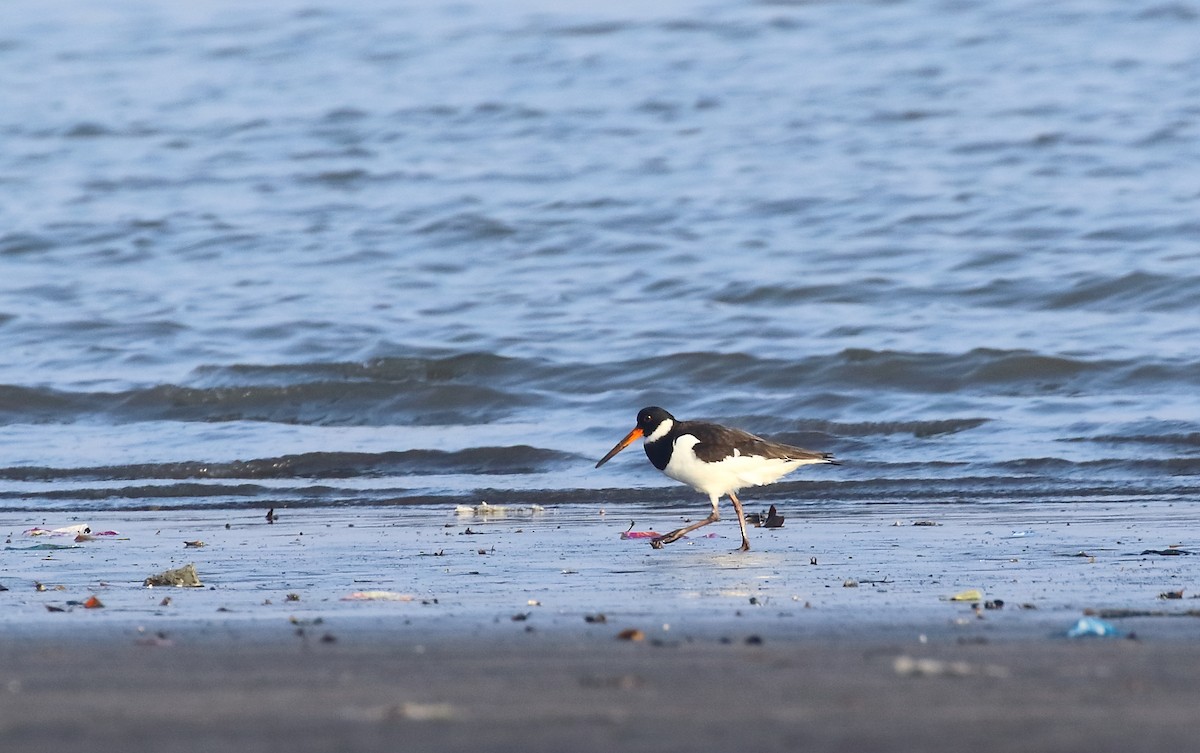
<point>307,253</point>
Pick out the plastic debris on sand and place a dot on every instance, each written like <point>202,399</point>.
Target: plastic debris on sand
<point>1092,627</point>
<point>182,577</point>
<point>82,528</point>
<point>483,510</point>
<point>377,596</point>
<point>632,534</point>
<point>908,666</point>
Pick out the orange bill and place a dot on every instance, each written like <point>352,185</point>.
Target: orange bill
<point>629,439</point>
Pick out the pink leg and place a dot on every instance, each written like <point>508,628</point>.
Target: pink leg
<point>737,506</point>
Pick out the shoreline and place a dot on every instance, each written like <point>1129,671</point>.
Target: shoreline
<point>854,569</point>
<point>486,643</point>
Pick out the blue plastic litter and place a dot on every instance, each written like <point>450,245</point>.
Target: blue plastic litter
<point>1090,627</point>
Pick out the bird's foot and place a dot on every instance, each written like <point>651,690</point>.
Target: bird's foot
<point>745,547</point>
<point>666,538</point>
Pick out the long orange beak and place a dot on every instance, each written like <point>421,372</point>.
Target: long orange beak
<point>629,439</point>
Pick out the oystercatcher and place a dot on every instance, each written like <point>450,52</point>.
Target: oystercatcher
<point>713,459</point>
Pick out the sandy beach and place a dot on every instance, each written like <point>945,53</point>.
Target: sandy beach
<point>483,629</point>
<point>266,689</point>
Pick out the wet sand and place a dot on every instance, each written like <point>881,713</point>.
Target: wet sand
<point>494,649</point>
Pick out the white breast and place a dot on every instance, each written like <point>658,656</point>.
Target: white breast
<point>724,476</point>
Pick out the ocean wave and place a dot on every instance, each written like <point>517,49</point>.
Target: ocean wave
<point>466,227</point>
<point>316,465</point>
<point>1034,481</point>
<point>1186,441</point>
<point>482,388</point>
<point>1133,291</point>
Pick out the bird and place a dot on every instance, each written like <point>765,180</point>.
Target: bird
<point>712,459</point>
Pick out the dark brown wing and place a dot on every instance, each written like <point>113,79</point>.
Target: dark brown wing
<point>719,442</point>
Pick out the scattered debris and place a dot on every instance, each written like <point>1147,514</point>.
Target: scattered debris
<point>483,509</point>
<point>292,597</point>
<point>1171,594</point>
<point>158,639</point>
<point>521,616</point>
<point>994,604</point>
<point>1093,627</point>
<point>631,634</point>
<point>52,608</point>
<point>1169,552</point>
<point>194,544</point>
<point>469,532</point>
<point>271,516</point>
<point>849,583</point>
<point>882,582</point>
<point>93,603</point>
<point>377,596</point>
<point>76,530</point>
<point>971,594</point>
<point>929,523</point>
<point>426,712</point>
<point>166,602</point>
<point>183,577</point>
<point>632,534</point>
<point>774,519</point>
<point>768,519</point>
<point>812,560</point>
<point>597,618</point>
<point>1022,534</point>
<point>754,640</point>
<point>909,666</point>
<point>412,712</point>
<point>45,547</point>
<point>304,623</point>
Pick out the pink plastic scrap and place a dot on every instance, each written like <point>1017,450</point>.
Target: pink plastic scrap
<point>632,534</point>
<point>640,535</point>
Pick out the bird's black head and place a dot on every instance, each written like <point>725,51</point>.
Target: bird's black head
<point>650,418</point>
